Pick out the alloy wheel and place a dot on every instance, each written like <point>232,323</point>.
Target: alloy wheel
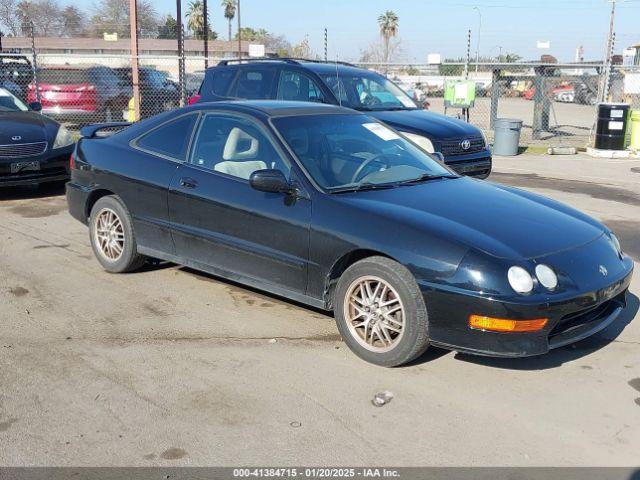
<point>109,234</point>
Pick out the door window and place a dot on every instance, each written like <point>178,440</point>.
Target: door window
<point>235,146</point>
<point>170,139</point>
<point>297,86</point>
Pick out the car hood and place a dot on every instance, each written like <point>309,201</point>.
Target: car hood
<point>27,125</point>
<point>502,221</point>
<point>431,124</point>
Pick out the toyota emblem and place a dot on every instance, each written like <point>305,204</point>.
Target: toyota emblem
<point>465,144</point>
<point>16,138</point>
<point>603,270</point>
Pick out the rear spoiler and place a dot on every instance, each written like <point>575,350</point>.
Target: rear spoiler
<point>90,131</point>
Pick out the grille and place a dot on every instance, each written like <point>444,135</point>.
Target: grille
<point>577,319</point>
<point>454,147</point>
<point>19,150</point>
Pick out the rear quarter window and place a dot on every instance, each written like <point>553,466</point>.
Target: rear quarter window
<point>254,83</point>
<point>170,139</point>
<point>221,80</point>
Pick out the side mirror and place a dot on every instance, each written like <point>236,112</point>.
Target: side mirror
<point>35,106</point>
<point>272,181</point>
<point>439,156</point>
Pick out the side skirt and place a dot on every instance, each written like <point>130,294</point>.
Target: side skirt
<point>251,282</point>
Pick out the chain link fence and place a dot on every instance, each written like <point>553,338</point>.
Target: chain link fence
<point>555,102</point>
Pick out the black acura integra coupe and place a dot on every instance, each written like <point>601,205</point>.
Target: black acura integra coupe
<point>329,207</point>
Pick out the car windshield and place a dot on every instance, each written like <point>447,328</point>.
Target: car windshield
<point>10,103</point>
<point>345,152</point>
<point>368,92</point>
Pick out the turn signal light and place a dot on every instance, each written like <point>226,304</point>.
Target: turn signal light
<point>504,325</point>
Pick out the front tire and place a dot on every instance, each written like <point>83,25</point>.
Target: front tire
<point>381,313</point>
<point>112,236</point>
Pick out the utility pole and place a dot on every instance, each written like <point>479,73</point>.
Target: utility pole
<point>1,35</point>
<point>135,74</point>
<point>206,33</point>
<point>326,42</point>
<point>239,33</point>
<point>479,30</point>
<point>466,65</point>
<point>604,86</point>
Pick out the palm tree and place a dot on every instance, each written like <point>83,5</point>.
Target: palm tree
<point>388,23</point>
<point>229,12</point>
<point>195,14</point>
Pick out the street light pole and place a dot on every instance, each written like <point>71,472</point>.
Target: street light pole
<point>239,33</point>
<point>206,34</point>
<point>135,74</point>
<point>478,44</point>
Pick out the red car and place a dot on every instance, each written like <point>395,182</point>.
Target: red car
<point>529,94</point>
<point>80,94</point>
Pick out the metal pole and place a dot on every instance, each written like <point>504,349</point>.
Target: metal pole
<point>180,34</point>
<point>135,74</point>
<point>34,63</point>
<point>478,44</point>
<point>466,65</point>
<point>326,42</point>
<point>206,33</point>
<point>608,54</point>
<point>1,35</point>
<point>239,33</point>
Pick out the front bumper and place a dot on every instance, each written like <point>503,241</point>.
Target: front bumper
<point>570,320</point>
<point>54,167</point>
<point>477,164</point>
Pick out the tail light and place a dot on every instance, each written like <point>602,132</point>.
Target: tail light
<point>72,161</point>
<point>194,99</point>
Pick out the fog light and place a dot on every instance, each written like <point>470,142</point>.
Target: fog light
<point>480,322</point>
<point>546,276</point>
<point>520,280</point>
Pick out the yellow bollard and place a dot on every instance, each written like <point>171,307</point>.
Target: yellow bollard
<point>131,112</point>
<point>635,130</point>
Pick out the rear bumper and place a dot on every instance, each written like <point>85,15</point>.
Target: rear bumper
<point>77,197</point>
<point>570,320</point>
<point>54,167</point>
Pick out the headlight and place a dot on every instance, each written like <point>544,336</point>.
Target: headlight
<point>546,276</point>
<point>484,138</point>
<point>63,138</point>
<point>422,142</point>
<point>520,280</point>
<point>616,244</point>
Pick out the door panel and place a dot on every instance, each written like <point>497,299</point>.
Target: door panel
<point>219,220</point>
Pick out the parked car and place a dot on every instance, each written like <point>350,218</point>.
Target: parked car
<point>193,82</point>
<point>556,92</point>
<point>33,148</point>
<point>16,73</point>
<point>157,92</point>
<point>80,94</point>
<point>462,145</point>
<point>332,208</point>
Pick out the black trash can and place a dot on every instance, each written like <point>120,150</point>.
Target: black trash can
<point>611,127</point>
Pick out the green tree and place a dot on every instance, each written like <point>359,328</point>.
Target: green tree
<point>229,12</point>
<point>170,28</point>
<point>388,23</point>
<point>112,16</point>
<point>195,19</point>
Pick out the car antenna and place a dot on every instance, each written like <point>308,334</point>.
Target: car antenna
<point>338,82</point>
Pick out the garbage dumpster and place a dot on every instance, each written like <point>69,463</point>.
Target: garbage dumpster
<point>507,136</point>
<point>635,130</point>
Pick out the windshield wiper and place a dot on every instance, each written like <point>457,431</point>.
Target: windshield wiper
<point>364,186</point>
<point>427,177</point>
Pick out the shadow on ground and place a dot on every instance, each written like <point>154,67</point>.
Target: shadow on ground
<point>31,192</point>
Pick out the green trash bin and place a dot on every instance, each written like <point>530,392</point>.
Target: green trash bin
<point>507,136</point>
<point>635,130</point>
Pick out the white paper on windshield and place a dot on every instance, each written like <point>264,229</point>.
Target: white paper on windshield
<point>406,101</point>
<point>381,131</point>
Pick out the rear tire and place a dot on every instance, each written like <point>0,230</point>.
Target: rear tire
<point>381,313</point>
<point>112,236</point>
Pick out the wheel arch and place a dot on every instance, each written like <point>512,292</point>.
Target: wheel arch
<point>339,267</point>
<point>93,197</point>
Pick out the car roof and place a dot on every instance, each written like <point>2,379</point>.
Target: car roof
<point>316,66</point>
<point>278,108</point>
<point>331,68</point>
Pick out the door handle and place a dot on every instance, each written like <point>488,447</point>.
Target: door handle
<point>188,183</point>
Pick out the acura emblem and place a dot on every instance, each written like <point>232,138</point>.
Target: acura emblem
<point>465,144</point>
<point>603,270</point>
<point>16,138</point>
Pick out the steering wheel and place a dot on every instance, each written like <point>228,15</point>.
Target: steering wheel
<point>371,100</point>
<point>366,163</point>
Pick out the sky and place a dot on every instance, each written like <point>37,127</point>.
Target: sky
<point>430,26</point>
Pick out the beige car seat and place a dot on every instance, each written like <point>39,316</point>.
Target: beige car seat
<point>237,162</point>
